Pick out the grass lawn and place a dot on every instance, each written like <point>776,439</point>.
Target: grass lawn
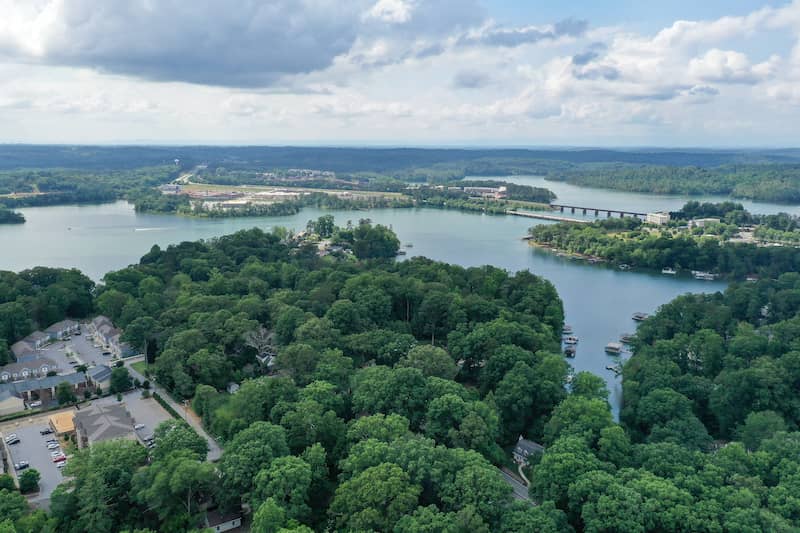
<point>139,366</point>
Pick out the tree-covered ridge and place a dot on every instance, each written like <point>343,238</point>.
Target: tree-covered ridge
<point>42,187</point>
<point>711,248</point>
<point>764,182</point>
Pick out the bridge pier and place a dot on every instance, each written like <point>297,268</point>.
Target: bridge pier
<point>596,212</point>
<point>562,208</point>
<point>584,211</point>
<point>573,210</point>
<point>608,214</point>
<point>621,214</point>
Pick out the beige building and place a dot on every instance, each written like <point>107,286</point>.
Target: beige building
<point>659,219</point>
<point>62,424</point>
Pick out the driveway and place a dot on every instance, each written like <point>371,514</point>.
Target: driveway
<point>520,490</point>
<point>214,450</point>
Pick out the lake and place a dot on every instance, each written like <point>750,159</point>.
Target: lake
<point>598,300</point>
<point>631,201</point>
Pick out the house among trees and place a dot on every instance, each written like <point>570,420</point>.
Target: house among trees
<point>27,366</point>
<point>103,331</point>
<point>62,329</point>
<point>30,344</point>
<point>219,522</point>
<point>524,450</point>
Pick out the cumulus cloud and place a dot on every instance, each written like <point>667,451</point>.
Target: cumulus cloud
<point>728,66</point>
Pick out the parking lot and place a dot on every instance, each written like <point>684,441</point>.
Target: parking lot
<point>145,411</point>
<point>33,448</point>
<point>83,348</point>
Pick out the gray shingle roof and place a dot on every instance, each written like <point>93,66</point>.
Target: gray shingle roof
<point>17,388</point>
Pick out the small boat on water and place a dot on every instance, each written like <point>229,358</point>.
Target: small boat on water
<point>567,330</point>
<point>669,271</point>
<point>570,351</point>
<point>626,338</point>
<point>614,348</point>
<point>571,340</point>
<point>409,245</point>
<point>401,252</point>
<point>615,369</point>
<point>624,266</point>
<point>705,276</point>
<point>639,316</point>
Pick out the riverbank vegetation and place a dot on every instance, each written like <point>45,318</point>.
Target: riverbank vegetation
<point>7,216</point>
<point>714,247</point>
<point>381,396</point>
<point>778,183</point>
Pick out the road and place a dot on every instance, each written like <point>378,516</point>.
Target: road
<point>520,490</point>
<point>214,450</point>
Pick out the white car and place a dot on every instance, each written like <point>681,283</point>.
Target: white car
<point>61,464</point>
<point>138,426</point>
<point>37,403</point>
<point>56,453</point>
<point>11,437</point>
<point>52,446</point>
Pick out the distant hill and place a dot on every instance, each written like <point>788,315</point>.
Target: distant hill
<point>16,156</point>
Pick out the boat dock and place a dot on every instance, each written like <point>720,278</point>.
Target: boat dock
<point>543,216</point>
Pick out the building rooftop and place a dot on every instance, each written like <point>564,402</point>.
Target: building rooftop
<point>63,422</point>
<point>527,447</point>
<point>61,326</point>
<point>18,387</point>
<point>99,373</point>
<point>21,348</point>
<point>105,422</point>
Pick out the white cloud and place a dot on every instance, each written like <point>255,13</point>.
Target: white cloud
<point>392,11</point>
<point>728,66</point>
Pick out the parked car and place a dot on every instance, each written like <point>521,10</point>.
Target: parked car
<point>62,464</point>
<point>106,352</point>
<point>48,441</point>
<point>56,453</point>
<point>15,440</point>
<point>22,465</point>
<point>11,437</point>
<point>138,426</point>
<point>59,458</point>
<point>37,403</point>
<point>45,431</point>
<point>52,446</point>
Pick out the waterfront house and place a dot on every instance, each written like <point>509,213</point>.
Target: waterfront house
<point>524,450</point>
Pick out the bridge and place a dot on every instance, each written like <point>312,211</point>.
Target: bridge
<point>543,216</point>
<point>597,210</point>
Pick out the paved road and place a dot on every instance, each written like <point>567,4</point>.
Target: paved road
<point>520,490</point>
<point>214,450</point>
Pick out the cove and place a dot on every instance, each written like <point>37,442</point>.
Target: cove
<point>598,300</point>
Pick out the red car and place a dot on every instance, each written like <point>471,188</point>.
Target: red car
<point>59,458</point>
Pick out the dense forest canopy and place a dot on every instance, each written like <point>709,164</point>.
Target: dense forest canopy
<point>397,389</point>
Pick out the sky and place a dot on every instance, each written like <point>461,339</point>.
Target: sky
<point>688,73</point>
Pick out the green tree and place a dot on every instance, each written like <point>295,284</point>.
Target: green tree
<point>7,482</point>
<point>65,393</point>
<point>29,481</point>
<point>431,361</point>
<point>250,451</point>
<point>760,426</point>
<point>120,380</point>
<point>175,435</point>
<point>12,504</point>
<point>375,499</point>
<point>269,517</point>
<point>287,482</point>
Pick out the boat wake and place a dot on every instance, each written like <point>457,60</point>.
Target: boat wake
<point>149,229</point>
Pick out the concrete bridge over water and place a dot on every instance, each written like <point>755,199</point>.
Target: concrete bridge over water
<point>597,210</point>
